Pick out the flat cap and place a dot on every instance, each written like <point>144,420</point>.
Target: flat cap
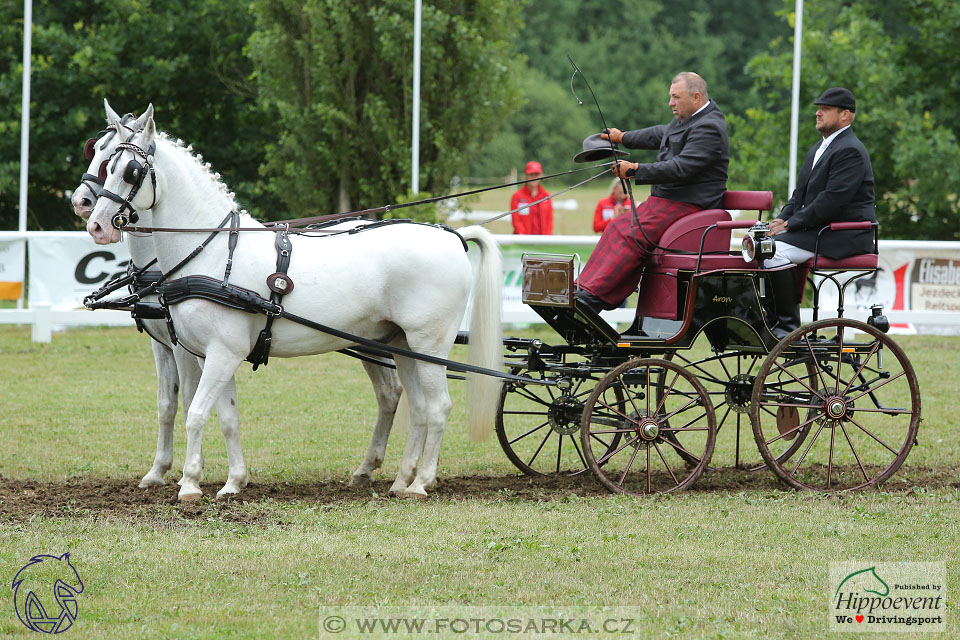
<point>837,97</point>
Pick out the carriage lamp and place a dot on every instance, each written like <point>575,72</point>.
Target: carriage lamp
<point>756,245</point>
<point>877,319</point>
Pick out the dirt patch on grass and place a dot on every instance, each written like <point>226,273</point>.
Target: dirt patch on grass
<point>80,497</point>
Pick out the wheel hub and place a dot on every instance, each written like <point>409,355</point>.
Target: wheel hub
<point>738,391</point>
<point>648,429</point>
<point>837,408</point>
<point>564,415</point>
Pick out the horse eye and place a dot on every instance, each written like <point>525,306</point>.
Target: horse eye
<point>102,174</point>
<point>88,150</point>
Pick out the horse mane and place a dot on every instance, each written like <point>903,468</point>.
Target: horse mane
<point>183,148</point>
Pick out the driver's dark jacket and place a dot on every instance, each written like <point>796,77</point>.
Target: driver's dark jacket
<point>692,163</point>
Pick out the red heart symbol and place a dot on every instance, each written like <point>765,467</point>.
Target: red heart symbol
<point>859,618</point>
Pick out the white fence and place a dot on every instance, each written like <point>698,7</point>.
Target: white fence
<point>918,283</point>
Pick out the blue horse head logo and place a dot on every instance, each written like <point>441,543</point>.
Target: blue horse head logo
<point>45,593</point>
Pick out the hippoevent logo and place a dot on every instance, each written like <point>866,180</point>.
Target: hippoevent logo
<point>887,597</point>
<point>45,593</point>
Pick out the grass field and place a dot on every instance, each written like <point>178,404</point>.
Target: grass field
<point>737,556</point>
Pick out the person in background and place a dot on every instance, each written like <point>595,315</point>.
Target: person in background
<point>529,218</point>
<point>610,207</point>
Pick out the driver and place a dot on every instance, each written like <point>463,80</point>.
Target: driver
<point>689,174</point>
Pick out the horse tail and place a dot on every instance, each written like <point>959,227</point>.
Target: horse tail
<point>486,333</point>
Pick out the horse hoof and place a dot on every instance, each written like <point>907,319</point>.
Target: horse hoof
<point>360,481</point>
<point>228,491</point>
<point>151,481</point>
<point>413,495</point>
<point>189,496</point>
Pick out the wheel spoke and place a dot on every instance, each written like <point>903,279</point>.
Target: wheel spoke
<point>872,389</point>
<point>664,460</point>
<point>806,386</point>
<point>537,452</point>
<point>679,447</point>
<point>876,345</point>
<point>577,449</point>
<point>629,464</point>
<point>855,455</point>
<point>807,450</point>
<point>520,437</point>
<point>867,431</point>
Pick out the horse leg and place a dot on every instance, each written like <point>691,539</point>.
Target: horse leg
<point>168,384</point>
<point>218,370</point>
<point>386,386</point>
<point>190,370</point>
<point>229,413</point>
<point>410,378</point>
<point>435,411</point>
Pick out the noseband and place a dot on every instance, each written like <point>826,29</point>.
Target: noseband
<point>134,174</point>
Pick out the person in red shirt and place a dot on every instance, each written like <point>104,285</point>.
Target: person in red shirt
<point>610,207</point>
<point>532,219</point>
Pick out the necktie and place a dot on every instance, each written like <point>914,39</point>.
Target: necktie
<point>816,157</point>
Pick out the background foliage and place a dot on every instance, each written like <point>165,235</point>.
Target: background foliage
<point>304,107</point>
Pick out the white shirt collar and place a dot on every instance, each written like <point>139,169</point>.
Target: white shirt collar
<point>826,141</point>
<point>701,109</point>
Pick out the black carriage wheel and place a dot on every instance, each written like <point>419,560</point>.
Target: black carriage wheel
<point>860,406</point>
<point>728,377</point>
<point>664,417</point>
<point>538,426</point>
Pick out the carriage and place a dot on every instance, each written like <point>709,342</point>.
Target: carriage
<point>833,406</point>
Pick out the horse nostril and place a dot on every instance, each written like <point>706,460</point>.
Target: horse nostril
<point>86,202</point>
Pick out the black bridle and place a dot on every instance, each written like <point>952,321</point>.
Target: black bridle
<point>95,182</point>
<point>134,174</point>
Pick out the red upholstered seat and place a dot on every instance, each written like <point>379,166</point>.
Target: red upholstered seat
<point>862,261</point>
<point>757,200</point>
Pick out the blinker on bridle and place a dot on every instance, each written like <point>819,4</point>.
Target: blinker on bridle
<point>134,174</point>
<point>95,182</point>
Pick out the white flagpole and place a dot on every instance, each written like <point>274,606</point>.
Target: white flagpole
<point>795,103</point>
<point>415,161</point>
<point>25,111</point>
<point>25,129</point>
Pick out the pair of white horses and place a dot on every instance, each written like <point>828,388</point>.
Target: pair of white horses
<point>406,285</point>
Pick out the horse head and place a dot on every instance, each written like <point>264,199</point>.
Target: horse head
<point>97,152</point>
<point>124,176</point>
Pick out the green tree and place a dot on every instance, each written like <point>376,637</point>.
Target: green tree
<point>905,107</point>
<point>629,51</point>
<point>184,57</point>
<point>339,75</point>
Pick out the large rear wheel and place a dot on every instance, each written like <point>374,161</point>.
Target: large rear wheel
<point>851,389</point>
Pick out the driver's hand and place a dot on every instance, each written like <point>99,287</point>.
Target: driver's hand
<point>777,225</point>
<point>624,170</point>
<point>613,135</point>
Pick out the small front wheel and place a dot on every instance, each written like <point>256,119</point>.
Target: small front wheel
<point>664,422</point>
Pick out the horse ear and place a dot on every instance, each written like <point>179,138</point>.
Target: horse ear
<point>149,128</point>
<point>111,114</point>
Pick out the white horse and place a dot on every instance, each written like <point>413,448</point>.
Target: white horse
<point>178,371</point>
<point>406,285</point>
<point>174,378</point>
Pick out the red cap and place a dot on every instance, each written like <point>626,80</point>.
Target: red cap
<point>533,167</point>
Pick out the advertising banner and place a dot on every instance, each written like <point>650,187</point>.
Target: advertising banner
<point>12,254</point>
<point>66,266</point>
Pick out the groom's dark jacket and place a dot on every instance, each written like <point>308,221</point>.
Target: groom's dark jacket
<point>838,189</point>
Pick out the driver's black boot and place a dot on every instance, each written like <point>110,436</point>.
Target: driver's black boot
<point>786,309</point>
<point>593,302</point>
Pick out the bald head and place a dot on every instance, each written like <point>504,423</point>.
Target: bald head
<point>688,92</point>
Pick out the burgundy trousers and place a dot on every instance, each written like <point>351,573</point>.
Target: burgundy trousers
<point>615,266</point>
